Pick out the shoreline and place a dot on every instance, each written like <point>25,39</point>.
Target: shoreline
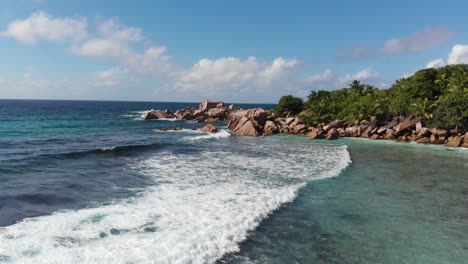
<point>258,122</point>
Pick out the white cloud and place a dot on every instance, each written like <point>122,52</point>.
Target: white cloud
<point>99,48</point>
<point>230,72</point>
<point>417,42</point>
<point>42,26</point>
<point>113,30</point>
<point>437,63</point>
<point>116,41</point>
<point>325,76</point>
<point>152,61</point>
<point>364,75</point>
<point>110,77</point>
<point>459,54</point>
<point>279,67</point>
<point>223,73</point>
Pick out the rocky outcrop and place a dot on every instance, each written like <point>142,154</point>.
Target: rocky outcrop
<point>270,128</point>
<point>219,113</point>
<point>257,122</point>
<point>454,141</point>
<point>315,133</point>
<point>149,116</point>
<point>209,104</point>
<point>185,114</point>
<point>211,111</point>
<point>209,128</point>
<point>408,123</point>
<point>332,134</point>
<point>157,114</point>
<point>332,125</point>
<point>249,122</point>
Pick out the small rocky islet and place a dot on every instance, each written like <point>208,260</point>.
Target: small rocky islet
<point>260,122</point>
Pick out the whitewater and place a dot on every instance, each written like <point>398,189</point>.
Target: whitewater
<point>199,207</point>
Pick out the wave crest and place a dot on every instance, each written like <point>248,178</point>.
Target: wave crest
<point>218,135</point>
<point>200,207</point>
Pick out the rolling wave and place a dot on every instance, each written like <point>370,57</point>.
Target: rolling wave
<point>199,209</point>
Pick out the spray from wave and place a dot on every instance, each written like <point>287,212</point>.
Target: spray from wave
<point>218,135</point>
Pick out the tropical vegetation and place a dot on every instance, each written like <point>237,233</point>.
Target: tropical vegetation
<point>439,96</point>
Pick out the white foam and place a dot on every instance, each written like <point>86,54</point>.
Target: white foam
<point>218,135</point>
<point>168,119</point>
<point>201,207</point>
<point>184,130</point>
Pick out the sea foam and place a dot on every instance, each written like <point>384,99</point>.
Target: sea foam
<point>200,207</point>
<point>223,133</point>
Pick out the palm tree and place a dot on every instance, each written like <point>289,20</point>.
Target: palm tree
<point>357,87</point>
<point>458,82</point>
<point>424,108</point>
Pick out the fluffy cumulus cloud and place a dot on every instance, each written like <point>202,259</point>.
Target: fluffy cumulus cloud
<point>118,42</point>
<point>110,77</point>
<point>435,63</point>
<point>112,29</point>
<point>416,42</point>
<point>230,72</point>
<point>42,26</point>
<point>127,47</point>
<point>318,78</point>
<point>99,48</point>
<point>363,75</point>
<point>459,54</point>
<point>276,70</point>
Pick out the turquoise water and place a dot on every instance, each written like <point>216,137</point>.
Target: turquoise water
<point>396,203</point>
<point>89,182</point>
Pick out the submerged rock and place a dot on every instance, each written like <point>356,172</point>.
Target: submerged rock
<point>209,128</point>
<point>170,128</point>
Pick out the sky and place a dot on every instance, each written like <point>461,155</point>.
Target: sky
<point>235,51</point>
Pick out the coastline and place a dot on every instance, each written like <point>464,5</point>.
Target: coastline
<point>258,122</point>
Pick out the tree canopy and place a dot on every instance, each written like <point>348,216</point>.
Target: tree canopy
<point>439,96</point>
<point>289,105</point>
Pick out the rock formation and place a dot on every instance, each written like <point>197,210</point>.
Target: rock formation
<point>249,122</point>
<point>209,128</point>
<point>257,122</point>
<point>157,114</point>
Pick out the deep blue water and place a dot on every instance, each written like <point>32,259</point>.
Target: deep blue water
<point>68,154</point>
<point>87,182</point>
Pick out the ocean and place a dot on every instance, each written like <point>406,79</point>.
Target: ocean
<point>90,182</point>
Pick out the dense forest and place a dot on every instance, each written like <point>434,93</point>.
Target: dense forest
<point>439,96</point>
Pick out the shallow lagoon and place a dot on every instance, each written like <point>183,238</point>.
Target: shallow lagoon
<point>396,203</point>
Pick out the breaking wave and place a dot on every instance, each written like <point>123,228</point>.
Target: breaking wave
<point>200,207</point>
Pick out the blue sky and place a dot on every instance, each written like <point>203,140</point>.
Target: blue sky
<point>238,51</point>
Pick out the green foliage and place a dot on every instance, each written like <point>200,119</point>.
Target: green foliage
<point>289,105</point>
<point>440,96</point>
